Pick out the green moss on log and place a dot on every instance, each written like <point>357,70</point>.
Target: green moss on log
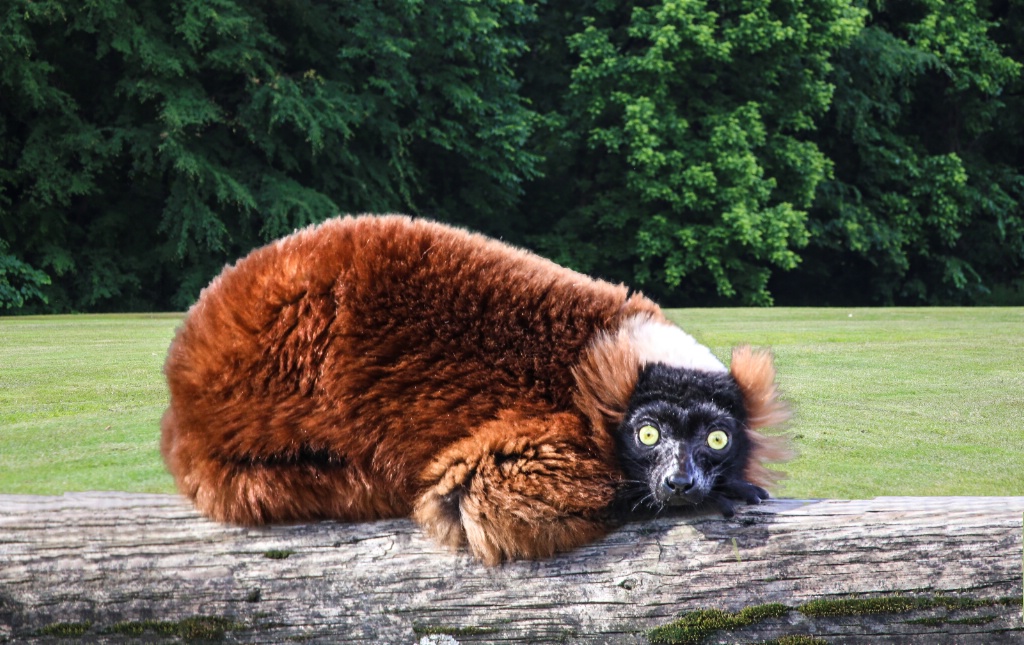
<point>695,626</point>
<point>208,628</point>
<point>65,629</point>
<point>890,605</point>
<point>437,630</point>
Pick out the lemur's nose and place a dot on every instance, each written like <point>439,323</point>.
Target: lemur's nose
<point>679,484</point>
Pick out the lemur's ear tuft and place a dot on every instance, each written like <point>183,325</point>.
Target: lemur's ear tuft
<point>754,373</point>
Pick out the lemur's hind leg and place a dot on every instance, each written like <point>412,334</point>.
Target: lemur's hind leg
<point>519,487</point>
<point>304,483</point>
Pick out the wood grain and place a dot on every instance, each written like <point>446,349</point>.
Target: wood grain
<point>110,558</point>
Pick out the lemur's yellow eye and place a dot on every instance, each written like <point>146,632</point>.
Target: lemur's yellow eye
<point>718,440</point>
<point>649,435</point>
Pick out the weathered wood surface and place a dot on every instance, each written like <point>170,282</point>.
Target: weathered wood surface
<point>106,558</point>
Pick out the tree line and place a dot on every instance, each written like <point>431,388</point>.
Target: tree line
<point>739,152</point>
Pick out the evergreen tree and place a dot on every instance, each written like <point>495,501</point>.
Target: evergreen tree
<point>145,144</point>
<point>925,133</point>
<point>807,152</point>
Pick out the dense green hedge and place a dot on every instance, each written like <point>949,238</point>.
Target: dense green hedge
<point>743,152</point>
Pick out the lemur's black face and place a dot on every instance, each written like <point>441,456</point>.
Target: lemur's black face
<point>683,440</point>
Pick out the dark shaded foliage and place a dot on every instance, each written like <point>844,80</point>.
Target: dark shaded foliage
<point>820,152</point>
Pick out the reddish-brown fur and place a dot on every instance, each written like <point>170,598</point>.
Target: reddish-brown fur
<point>381,366</point>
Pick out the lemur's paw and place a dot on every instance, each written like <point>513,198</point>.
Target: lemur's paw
<point>459,482</point>
<point>514,498</point>
<point>438,509</point>
<point>726,494</point>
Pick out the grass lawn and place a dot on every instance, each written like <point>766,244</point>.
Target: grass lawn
<point>888,401</point>
<point>80,403</point>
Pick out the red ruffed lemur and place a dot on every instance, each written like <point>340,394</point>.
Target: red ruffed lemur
<point>375,367</point>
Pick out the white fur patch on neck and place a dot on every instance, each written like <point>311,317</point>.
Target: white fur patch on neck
<point>656,342</point>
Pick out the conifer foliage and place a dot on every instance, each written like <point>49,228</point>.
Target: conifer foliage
<point>924,206</point>
<point>746,152</point>
<point>146,143</point>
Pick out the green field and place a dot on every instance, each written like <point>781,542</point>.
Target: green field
<point>80,403</point>
<point>888,401</point>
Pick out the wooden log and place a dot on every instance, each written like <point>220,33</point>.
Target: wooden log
<point>109,567</point>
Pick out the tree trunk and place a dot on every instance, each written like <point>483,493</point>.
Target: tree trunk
<point>117,567</point>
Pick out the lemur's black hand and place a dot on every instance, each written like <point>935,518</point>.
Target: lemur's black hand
<point>741,490</point>
<point>724,504</point>
<point>737,489</point>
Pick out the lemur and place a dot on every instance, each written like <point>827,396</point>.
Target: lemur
<point>382,366</point>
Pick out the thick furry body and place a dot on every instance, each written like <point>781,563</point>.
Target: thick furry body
<point>381,366</point>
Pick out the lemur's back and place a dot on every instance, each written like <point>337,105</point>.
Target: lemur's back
<point>319,375</point>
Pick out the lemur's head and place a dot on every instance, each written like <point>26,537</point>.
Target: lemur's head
<point>685,427</point>
<point>683,439</point>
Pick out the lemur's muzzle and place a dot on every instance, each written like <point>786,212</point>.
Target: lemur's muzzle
<point>683,487</point>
